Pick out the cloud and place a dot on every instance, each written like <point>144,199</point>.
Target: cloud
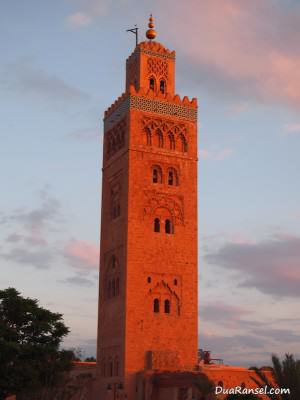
<point>222,345</point>
<point>86,135</point>
<point>40,259</point>
<point>219,155</point>
<point>222,312</point>
<point>28,79</point>
<point>82,255</point>
<point>291,129</point>
<point>250,48</point>
<point>239,108</point>
<point>37,220</point>
<point>78,281</point>
<point>87,12</point>
<point>14,238</point>
<point>78,20</point>
<point>279,335</point>
<point>271,266</point>
<point>27,244</point>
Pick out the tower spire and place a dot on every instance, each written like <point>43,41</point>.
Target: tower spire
<point>151,32</point>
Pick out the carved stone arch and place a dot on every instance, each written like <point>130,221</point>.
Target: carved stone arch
<point>164,126</point>
<point>171,141</point>
<point>157,174</point>
<point>147,137</point>
<point>152,82</point>
<point>162,85</point>
<point>183,143</point>
<point>116,366</point>
<point>172,177</point>
<point>112,278</point>
<point>158,138</point>
<point>162,293</point>
<point>172,202</point>
<point>165,217</point>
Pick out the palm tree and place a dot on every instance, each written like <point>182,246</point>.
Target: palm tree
<point>285,374</point>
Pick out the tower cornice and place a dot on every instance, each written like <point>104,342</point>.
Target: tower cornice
<point>163,104</point>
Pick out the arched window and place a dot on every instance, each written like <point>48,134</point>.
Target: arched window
<point>147,133</point>
<point>162,86</point>
<point>117,286</point>
<point>109,290</point>
<point>172,177</point>
<point>168,226</point>
<point>167,306</point>
<point>156,306</point>
<point>171,141</point>
<point>151,83</point>
<point>183,143</point>
<point>103,372</point>
<point>156,174</point>
<point>159,138</point>
<point>116,367</point>
<point>149,279</point>
<point>111,368</point>
<point>175,282</point>
<point>156,225</point>
<point>112,279</point>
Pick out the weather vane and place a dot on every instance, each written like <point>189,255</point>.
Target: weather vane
<point>135,32</point>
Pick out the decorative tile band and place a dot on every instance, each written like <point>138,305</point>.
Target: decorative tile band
<point>147,104</point>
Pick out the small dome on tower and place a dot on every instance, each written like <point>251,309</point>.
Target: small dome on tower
<point>151,32</point>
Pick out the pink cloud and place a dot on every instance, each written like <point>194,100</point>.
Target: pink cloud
<point>78,20</point>
<point>252,43</point>
<point>291,129</point>
<point>87,12</point>
<point>271,266</point>
<point>222,311</point>
<point>82,255</point>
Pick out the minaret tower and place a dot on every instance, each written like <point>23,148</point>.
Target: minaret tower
<point>148,251</point>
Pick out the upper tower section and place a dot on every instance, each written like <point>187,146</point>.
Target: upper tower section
<point>151,66</point>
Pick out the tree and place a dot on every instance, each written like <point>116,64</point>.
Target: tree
<point>285,375</point>
<point>31,362</point>
<point>90,359</point>
<point>204,386</point>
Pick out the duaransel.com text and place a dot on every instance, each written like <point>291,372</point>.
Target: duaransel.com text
<point>258,390</point>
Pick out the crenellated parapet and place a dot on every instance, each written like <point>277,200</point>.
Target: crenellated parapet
<point>151,102</point>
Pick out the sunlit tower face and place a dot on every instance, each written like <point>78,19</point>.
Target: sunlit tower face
<point>148,250</point>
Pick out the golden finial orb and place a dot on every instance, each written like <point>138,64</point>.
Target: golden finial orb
<point>151,32</point>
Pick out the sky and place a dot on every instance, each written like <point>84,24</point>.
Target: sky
<point>62,63</point>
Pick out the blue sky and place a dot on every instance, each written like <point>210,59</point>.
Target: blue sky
<point>62,64</point>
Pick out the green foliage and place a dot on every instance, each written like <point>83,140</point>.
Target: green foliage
<point>90,359</point>
<point>286,375</point>
<point>30,359</point>
<point>204,385</point>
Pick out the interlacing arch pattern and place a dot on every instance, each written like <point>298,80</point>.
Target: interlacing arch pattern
<point>158,68</point>
<point>165,134</point>
<point>115,139</point>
